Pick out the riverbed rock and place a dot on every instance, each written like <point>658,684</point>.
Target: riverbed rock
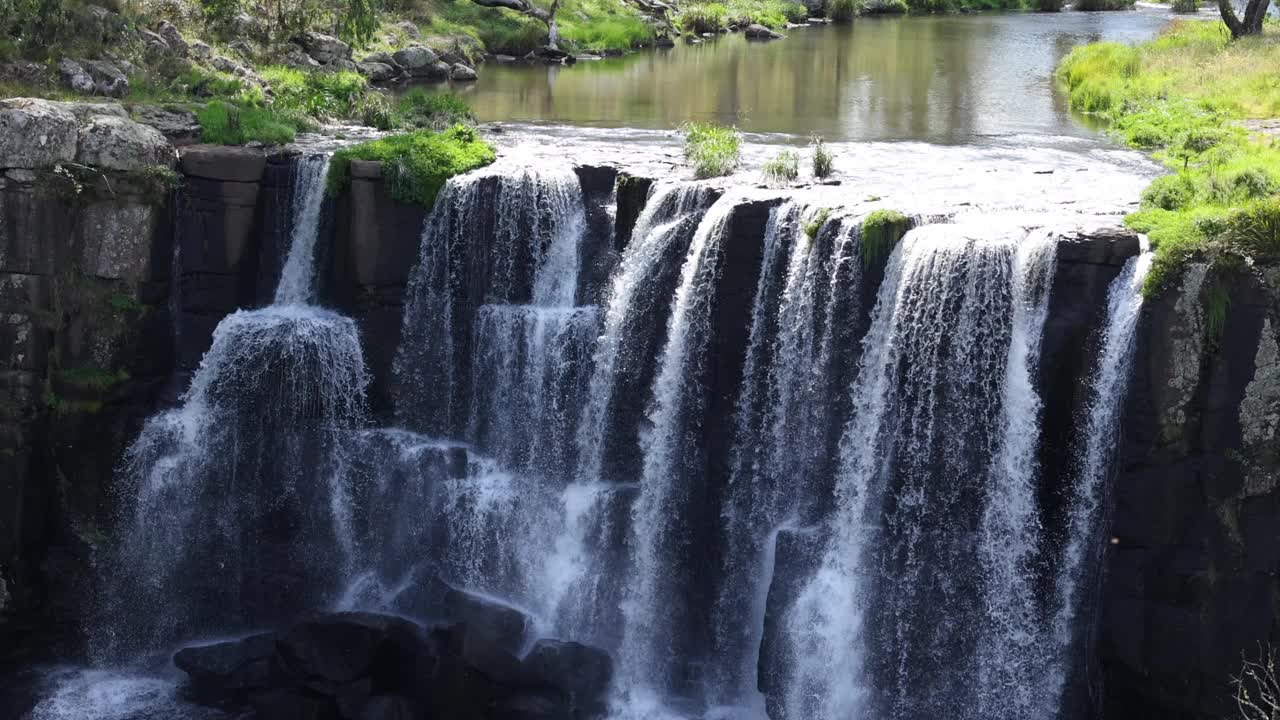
<point>417,61</point>
<point>292,55</point>
<point>74,76</point>
<point>461,73</point>
<point>329,652</point>
<point>122,144</point>
<point>324,49</point>
<point>35,133</point>
<point>377,72</point>
<point>759,32</point>
<point>578,672</point>
<point>231,667</point>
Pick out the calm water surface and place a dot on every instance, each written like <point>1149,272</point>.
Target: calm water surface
<point>944,79</point>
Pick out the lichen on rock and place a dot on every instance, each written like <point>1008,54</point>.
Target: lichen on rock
<point>1185,352</point>
<point>1260,417</point>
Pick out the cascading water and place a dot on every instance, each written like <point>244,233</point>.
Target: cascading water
<point>222,493</point>
<point>1081,553</point>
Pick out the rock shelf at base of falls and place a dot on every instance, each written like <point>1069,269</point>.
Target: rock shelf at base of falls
<point>366,666</point>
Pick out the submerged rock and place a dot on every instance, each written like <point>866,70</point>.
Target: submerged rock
<point>461,73</point>
<point>760,32</point>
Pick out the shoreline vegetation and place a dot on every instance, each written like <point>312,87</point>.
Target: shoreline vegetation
<point>1186,97</point>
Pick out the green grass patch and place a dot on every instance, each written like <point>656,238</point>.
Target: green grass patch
<point>713,150</point>
<point>320,95</point>
<point>421,109</point>
<point>224,123</point>
<point>881,230</point>
<point>782,168</point>
<point>417,164</point>
<point>814,226</point>
<point>1177,96</point>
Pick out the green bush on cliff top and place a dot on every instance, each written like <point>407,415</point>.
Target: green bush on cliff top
<point>1178,96</point>
<point>881,230</point>
<point>417,164</point>
<point>227,124</point>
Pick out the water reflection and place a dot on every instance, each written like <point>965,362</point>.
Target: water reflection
<point>950,79</point>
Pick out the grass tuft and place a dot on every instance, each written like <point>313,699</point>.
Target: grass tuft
<point>223,123</point>
<point>782,168</point>
<point>822,159</point>
<point>713,150</point>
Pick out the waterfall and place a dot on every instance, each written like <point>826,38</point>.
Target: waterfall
<point>652,612</point>
<point>877,630</point>
<point>1082,552</point>
<point>223,494</point>
<point>297,279</point>
<point>806,291</point>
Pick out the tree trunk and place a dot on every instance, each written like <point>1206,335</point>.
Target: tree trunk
<point>1254,12</point>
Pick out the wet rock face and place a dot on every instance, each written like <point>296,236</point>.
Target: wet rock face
<point>364,665</point>
<point>1194,555</point>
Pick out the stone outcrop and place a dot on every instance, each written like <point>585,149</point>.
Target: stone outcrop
<point>362,665</point>
<point>324,49</point>
<point>1194,561</point>
<point>119,144</point>
<point>36,134</point>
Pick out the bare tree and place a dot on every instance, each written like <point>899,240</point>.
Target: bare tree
<point>526,7</point>
<point>1258,686</point>
<point>1251,24</point>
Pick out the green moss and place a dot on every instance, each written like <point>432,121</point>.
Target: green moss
<point>812,227</point>
<point>881,230</point>
<point>782,168</point>
<point>1216,308</point>
<point>91,377</point>
<point>713,150</point>
<point>416,165</point>
<point>226,124</point>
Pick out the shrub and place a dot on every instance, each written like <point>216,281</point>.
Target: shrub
<point>713,150</point>
<point>376,111</point>
<point>1252,183</point>
<point>881,230</point>
<point>435,111</point>
<point>1170,192</point>
<point>417,164</point>
<point>1048,5</point>
<point>782,168</point>
<point>704,18</point>
<point>223,123</point>
<point>842,10</point>
<point>1255,228</point>
<point>822,159</point>
<point>1185,6</point>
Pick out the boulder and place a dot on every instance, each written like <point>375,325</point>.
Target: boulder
<point>580,673</point>
<point>200,50</point>
<point>332,651</point>
<point>438,71</point>
<point>35,133</point>
<point>461,73</point>
<point>488,620</point>
<point>108,80</point>
<point>155,46</point>
<point>759,32</point>
<point>409,29</point>
<point>177,43</point>
<point>242,48</point>
<point>84,111</point>
<point>232,667</point>
<point>72,75</point>
<point>416,60</point>
<point>340,64</point>
<point>179,126</point>
<point>324,49</point>
<point>377,72</point>
<point>292,55</point>
<point>384,58</point>
<point>122,144</point>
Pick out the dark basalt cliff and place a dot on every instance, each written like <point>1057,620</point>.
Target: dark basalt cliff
<point>110,296</point>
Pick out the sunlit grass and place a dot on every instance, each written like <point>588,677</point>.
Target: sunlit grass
<point>713,150</point>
